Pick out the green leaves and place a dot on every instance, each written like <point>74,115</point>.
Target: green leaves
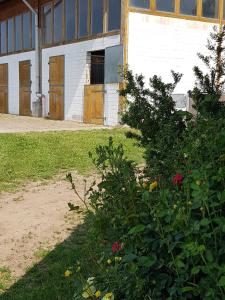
<point>137,229</point>
<point>221,282</point>
<point>146,261</point>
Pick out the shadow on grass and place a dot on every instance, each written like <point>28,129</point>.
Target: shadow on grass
<point>46,280</point>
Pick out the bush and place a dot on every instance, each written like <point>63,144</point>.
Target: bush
<point>160,231</point>
<point>153,112</point>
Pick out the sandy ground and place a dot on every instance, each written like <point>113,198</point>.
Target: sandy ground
<point>34,218</point>
<point>14,124</point>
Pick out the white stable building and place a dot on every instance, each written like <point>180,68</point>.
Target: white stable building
<point>69,62</point>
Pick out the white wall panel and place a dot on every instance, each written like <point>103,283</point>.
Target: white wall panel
<point>160,44</point>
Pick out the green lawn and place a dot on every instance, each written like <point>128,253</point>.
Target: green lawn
<point>37,156</point>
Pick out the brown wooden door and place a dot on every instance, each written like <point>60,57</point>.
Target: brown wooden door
<point>94,104</point>
<point>4,88</point>
<point>25,88</point>
<point>56,87</point>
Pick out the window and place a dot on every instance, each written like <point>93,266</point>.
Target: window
<point>10,34</point>
<point>140,3</point>
<point>165,5</point>
<point>70,10</point>
<point>3,37</point>
<point>33,30</point>
<point>26,30</point>
<point>58,21</point>
<point>83,18</point>
<point>97,16</point>
<point>18,33</point>
<point>114,14</point>
<point>224,9</point>
<point>188,7</point>
<point>210,8</point>
<point>47,20</point>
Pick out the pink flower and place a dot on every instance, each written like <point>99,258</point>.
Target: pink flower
<point>116,247</point>
<point>178,179</point>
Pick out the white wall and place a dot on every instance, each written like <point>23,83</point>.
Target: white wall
<point>160,44</point>
<point>13,73</point>
<point>111,104</point>
<point>76,75</point>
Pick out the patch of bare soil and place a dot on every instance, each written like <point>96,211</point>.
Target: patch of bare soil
<point>34,219</point>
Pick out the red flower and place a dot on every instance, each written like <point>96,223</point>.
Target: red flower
<point>178,179</point>
<point>116,247</point>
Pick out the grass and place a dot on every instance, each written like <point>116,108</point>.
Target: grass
<point>5,278</point>
<point>37,156</point>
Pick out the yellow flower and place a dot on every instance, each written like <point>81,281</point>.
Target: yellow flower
<point>153,186</point>
<point>198,182</point>
<point>175,206</point>
<point>78,269</point>
<point>108,296</point>
<point>109,261</point>
<point>88,292</point>
<point>68,273</point>
<point>118,259</point>
<point>98,294</point>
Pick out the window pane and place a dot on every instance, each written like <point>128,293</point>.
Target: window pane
<point>33,31</point>
<point>18,33</point>
<point>70,19</point>
<point>97,16</point>
<point>58,21</point>
<point>47,20</point>
<point>188,7</point>
<point>83,17</point>
<point>26,31</point>
<point>140,3</point>
<point>210,8</point>
<point>10,35</point>
<point>165,5</point>
<point>224,9</point>
<point>114,14</point>
<point>3,37</point>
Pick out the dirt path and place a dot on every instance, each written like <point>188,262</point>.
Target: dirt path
<point>34,219</point>
<point>15,124</point>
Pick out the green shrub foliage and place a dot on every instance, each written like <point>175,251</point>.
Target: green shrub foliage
<point>153,112</point>
<point>210,86</point>
<point>162,231</point>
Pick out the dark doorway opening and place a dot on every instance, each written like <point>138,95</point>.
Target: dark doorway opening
<point>98,67</point>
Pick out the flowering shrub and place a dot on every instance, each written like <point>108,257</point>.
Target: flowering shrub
<point>168,221</point>
<point>173,238</point>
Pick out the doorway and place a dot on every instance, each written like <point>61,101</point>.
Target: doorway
<point>56,87</point>
<point>25,88</point>
<point>94,92</point>
<point>4,88</point>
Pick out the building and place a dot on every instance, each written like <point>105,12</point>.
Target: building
<point>71,59</point>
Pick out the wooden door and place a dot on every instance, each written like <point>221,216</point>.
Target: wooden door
<point>56,87</point>
<point>25,88</point>
<point>94,104</point>
<point>4,88</point>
